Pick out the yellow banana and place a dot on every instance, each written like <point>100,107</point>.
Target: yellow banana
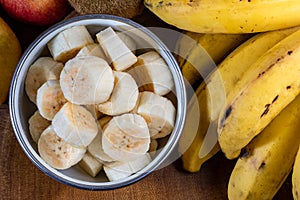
<point>268,159</point>
<point>227,16</point>
<point>296,177</point>
<point>270,84</point>
<point>200,53</point>
<point>210,96</point>
<point>231,70</point>
<point>193,134</point>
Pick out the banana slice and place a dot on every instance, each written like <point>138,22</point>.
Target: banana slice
<point>75,124</point>
<point>128,41</point>
<point>92,50</point>
<point>96,149</point>
<point>42,70</point>
<point>50,99</point>
<point>87,80</point>
<point>68,43</point>
<point>152,73</point>
<point>139,163</point>
<point>56,152</point>
<point>115,50</point>
<point>91,165</point>
<point>159,113</point>
<point>126,137</point>
<point>124,96</point>
<point>119,170</point>
<point>134,110</point>
<point>37,124</point>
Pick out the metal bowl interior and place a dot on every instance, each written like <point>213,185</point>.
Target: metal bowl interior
<point>21,108</point>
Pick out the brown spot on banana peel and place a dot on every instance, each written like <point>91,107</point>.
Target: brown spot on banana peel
<point>275,99</point>
<point>258,164</point>
<point>277,60</point>
<point>262,165</point>
<point>226,115</point>
<point>193,3</point>
<point>149,5</point>
<point>162,4</point>
<point>245,153</point>
<point>267,106</point>
<point>262,73</point>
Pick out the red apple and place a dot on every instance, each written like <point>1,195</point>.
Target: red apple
<point>38,12</point>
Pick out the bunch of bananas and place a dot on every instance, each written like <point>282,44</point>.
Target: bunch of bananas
<point>249,103</point>
<point>247,92</point>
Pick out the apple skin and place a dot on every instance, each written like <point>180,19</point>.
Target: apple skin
<point>37,12</point>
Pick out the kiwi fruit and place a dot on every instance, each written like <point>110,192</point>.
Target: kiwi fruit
<point>122,8</point>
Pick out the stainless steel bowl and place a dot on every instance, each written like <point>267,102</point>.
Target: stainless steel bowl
<point>21,108</point>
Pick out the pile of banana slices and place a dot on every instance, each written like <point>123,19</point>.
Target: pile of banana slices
<point>99,105</point>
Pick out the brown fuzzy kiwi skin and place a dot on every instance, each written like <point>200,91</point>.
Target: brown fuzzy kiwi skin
<point>122,8</point>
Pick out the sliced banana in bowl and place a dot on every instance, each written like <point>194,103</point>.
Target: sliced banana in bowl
<point>124,95</point>
<point>57,152</point>
<point>50,99</point>
<point>75,124</point>
<point>126,137</point>
<point>42,70</point>
<point>79,113</point>
<point>87,80</point>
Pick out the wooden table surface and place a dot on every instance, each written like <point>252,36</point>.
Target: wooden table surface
<point>21,179</point>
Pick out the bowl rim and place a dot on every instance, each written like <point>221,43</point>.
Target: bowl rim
<point>56,174</point>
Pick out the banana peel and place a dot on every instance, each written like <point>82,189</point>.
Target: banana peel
<point>199,54</point>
